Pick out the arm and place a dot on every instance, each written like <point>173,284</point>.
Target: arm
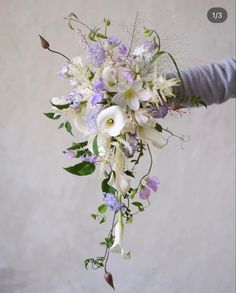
<point>214,83</point>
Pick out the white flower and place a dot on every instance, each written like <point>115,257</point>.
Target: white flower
<point>151,135</point>
<point>117,246</point>
<point>67,113</point>
<point>131,95</point>
<point>111,120</point>
<point>78,71</point>
<point>119,180</point>
<point>80,120</point>
<point>141,116</point>
<point>166,85</point>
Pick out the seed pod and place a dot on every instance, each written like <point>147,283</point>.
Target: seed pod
<point>44,43</point>
<point>108,278</point>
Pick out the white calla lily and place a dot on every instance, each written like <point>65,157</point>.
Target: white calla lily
<point>111,121</point>
<point>151,135</point>
<point>118,246</point>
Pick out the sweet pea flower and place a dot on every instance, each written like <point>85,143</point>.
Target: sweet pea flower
<point>111,121</point>
<point>153,183</point>
<point>144,192</point>
<point>131,95</point>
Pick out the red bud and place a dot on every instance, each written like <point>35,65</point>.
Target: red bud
<point>44,43</point>
<point>109,279</point>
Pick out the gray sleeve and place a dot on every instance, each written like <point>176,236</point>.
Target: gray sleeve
<point>214,83</point>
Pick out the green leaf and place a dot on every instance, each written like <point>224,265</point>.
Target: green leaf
<point>52,115</point>
<point>129,173</point>
<point>103,219</point>
<point>129,220</point>
<point>72,14</point>
<point>95,145</point>
<point>94,216</point>
<point>157,55</point>
<point>101,36</point>
<point>61,125</point>
<point>133,193</point>
<point>68,127</point>
<point>81,169</point>
<point>76,146</point>
<point>137,204</point>
<point>102,209</point>
<point>147,32</point>
<point>60,107</point>
<point>158,127</point>
<point>108,188</point>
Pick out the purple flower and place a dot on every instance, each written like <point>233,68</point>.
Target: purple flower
<point>144,192</point>
<point>70,154</point>
<point>113,41</point>
<point>128,76</point>
<point>112,202</point>
<point>153,183</point>
<point>97,98</point>
<point>63,71</point>
<point>96,54</point>
<point>74,100</point>
<point>123,49</point>
<point>92,118</point>
<point>156,112</point>
<point>91,159</point>
<point>133,142</point>
<point>98,85</point>
<point>150,46</point>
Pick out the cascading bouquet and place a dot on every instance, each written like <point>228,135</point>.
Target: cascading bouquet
<point>117,99</point>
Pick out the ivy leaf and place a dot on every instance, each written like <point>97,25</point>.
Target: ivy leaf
<point>103,219</point>
<point>129,173</point>
<point>76,146</point>
<point>68,127</point>
<point>52,115</point>
<point>139,205</point>
<point>61,125</point>
<point>158,127</point>
<point>102,209</point>
<point>94,216</point>
<point>81,169</point>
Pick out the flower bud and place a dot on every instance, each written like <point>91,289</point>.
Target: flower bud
<point>108,278</point>
<point>44,43</point>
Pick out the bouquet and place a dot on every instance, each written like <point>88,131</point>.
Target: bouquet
<point>117,101</point>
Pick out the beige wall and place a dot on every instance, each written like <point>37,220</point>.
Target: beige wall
<point>185,242</point>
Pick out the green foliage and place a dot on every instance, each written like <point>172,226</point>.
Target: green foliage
<point>61,107</point>
<point>95,263</point>
<point>157,55</point>
<point>81,169</point>
<point>108,241</point>
<point>129,173</point>
<point>68,127</point>
<point>158,127</point>
<point>95,145</point>
<point>129,219</point>
<point>76,146</point>
<point>139,205</point>
<point>106,187</point>
<point>148,32</point>
<point>94,216</point>
<point>52,115</point>
<point>102,209</point>
<point>197,101</point>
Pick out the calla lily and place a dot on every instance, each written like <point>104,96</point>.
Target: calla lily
<point>151,135</point>
<point>119,180</point>
<point>111,121</point>
<point>117,246</point>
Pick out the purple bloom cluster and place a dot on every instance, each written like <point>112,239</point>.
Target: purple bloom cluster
<point>70,154</point>
<point>123,50</point>
<point>96,54</point>
<point>152,183</point>
<point>98,86</point>
<point>74,100</point>
<point>112,202</point>
<point>92,118</point>
<point>113,41</point>
<point>90,159</point>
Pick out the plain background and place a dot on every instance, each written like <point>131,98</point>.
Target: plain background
<point>184,243</point>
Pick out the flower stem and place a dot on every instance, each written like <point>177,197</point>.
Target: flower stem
<point>56,52</point>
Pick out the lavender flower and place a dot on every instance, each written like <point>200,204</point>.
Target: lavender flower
<point>150,46</point>
<point>70,154</point>
<point>97,98</point>
<point>112,202</point>
<point>92,118</point>
<point>127,74</point>
<point>63,71</point>
<point>98,85</point>
<point>123,49</point>
<point>113,41</point>
<point>96,54</point>
<point>90,159</point>
<point>153,183</point>
<point>74,100</point>
<point>156,112</point>
<point>144,192</point>
<point>133,142</point>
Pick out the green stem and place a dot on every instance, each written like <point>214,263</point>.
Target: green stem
<point>150,167</point>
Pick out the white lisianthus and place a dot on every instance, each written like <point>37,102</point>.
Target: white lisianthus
<point>67,113</point>
<point>78,71</point>
<point>118,246</point>
<point>151,135</point>
<point>111,121</point>
<point>131,95</point>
